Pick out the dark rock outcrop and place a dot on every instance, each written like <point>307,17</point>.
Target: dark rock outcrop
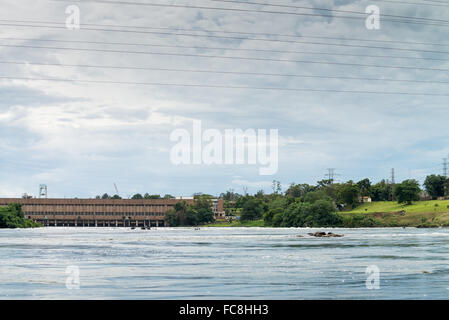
<point>324,235</point>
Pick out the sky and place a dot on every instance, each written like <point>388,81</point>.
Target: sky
<point>96,126</point>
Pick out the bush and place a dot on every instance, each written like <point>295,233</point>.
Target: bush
<point>407,191</point>
<point>359,221</point>
<point>312,197</point>
<point>253,209</point>
<point>190,215</point>
<point>12,217</point>
<point>321,213</point>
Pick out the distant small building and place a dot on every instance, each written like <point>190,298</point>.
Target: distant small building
<point>365,199</point>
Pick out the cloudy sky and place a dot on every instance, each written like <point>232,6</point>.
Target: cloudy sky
<point>96,126</point>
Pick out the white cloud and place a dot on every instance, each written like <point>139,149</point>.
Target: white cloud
<point>95,132</point>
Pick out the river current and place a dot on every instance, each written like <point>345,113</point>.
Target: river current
<point>223,263</point>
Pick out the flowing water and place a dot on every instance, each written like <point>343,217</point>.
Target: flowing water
<point>223,263</point>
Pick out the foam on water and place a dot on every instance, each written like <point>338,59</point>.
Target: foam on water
<point>223,263</point>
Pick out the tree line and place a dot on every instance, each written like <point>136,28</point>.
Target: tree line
<point>12,216</point>
<point>198,213</point>
<point>136,196</point>
<point>304,205</point>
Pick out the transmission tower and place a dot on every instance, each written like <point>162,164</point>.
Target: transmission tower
<point>392,185</point>
<point>331,174</point>
<point>445,167</point>
<point>43,191</point>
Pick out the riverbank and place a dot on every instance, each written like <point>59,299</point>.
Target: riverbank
<point>255,223</point>
<point>422,214</point>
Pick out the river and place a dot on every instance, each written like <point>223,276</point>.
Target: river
<point>223,263</point>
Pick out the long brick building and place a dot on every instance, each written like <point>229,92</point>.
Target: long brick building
<point>102,212</point>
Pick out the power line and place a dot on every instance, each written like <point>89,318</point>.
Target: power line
<point>227,86</point>
<point>219,72</point>
<point>235,32</point>
<point>219,48</point>
<point>413,3</point>
<point>435,1</point>
<point>235,57</point>
<point>224,37</point>
<point>309,8</point>
<point>414,20</point>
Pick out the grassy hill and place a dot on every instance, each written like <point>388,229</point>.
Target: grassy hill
<point>432,213</point>
<point>392,206</point>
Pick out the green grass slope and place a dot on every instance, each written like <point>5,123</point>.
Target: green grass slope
<point>432,213</point>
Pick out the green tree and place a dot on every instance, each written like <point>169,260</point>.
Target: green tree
<point>314,196</point>
<point>435,185</point>
<point>240,202</point>
<point>299,190</point>
<point>348,193</point>
<point>302,214</point>
<point>260,194</point>
<point>12,216</point>
<point>322,214</point>
<point>276,186</point>
<point>407,191</point>
<point>230,195</point>
<point>253,209</point>
<point>177,216</point>
<point>200,212</point>
<point>329,187</point>
<point>203,209</point>
<point>137,196</point>
<point>277,205</point>
<point>364,187</point>
<point>151,196</point>
<point>381,191</point>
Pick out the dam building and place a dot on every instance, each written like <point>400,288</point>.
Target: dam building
<point>103,212</point>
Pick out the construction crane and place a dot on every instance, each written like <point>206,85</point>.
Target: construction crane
<point>116,190</point>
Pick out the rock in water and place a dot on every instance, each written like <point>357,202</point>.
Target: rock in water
<point>324,235</point>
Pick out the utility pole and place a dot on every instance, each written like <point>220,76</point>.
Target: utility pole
<point>445,167</point>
